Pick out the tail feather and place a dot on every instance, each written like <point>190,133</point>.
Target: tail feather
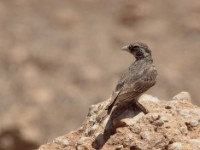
<point>108,108</point>
<point>112,103</point>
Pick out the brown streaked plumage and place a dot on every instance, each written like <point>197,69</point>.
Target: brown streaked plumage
<point>140,76</point>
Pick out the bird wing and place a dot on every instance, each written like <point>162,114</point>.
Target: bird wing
<point>133,90</point>
<point>118,89</point>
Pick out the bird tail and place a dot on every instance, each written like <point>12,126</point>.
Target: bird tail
<point>108,108</point>
<point>112,102</point>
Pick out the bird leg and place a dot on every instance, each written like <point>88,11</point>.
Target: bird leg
<point>143,109</point>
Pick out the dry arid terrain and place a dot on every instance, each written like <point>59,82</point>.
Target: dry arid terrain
<point>169,125</point>
<point>57,57</point>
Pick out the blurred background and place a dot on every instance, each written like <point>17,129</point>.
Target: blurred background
<point>57,57</point>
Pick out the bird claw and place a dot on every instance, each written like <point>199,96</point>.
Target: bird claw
<point>142,108</point>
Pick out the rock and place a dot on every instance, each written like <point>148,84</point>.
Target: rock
<point>149,98</point>
<point>182,96</point>
<point>145,135</point>
<point>169,124</point>
<point>185,113</point>
<point>132,121</point>
<point>118,147</point>
<point>61,141</point>
<point>195,142</point>
<point>175,146</point>
<point>82,140</point>
<point>194,123</point>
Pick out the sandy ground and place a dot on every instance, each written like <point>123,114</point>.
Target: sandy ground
<point>59,57</point>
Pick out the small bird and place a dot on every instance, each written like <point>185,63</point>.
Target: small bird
<point>140,76</point>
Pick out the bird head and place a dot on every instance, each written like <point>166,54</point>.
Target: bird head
<point>138,49</point>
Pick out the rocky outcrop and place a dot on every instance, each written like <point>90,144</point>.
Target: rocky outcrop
<point>172,125</point>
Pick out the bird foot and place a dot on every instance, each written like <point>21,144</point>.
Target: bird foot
<point>142,108</point>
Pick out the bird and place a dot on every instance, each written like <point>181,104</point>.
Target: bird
<point>137,79</point>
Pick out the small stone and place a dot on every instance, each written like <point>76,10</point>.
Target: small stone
<point>65,142</point>
<point>86,132</point>
<point>177,131</point>
<point>173,104</point>
<point>163,118</point>
<point>175,146</point>
<point>194,123</point>
<point>184,130</point>
<point>145,135</point>
<point>195,142</point>
<point>182,96</point>
<point>185,113</point>
<point>148,98</point>
<point>132,121</point>
<point>155,116</point>
<point>62,141</point>
<point>93,110</point>
<point>92,119</point>
<point>159,122</point>
<point>92,129</point>
<point>196,111</point>
<point>130,136</point>
<point>118,147</point>
<point>82,140</point>
<point>80,147</point>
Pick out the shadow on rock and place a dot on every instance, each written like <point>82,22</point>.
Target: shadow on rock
<point>114,122</point>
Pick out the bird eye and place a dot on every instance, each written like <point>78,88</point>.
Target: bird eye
<point>133,47</point>
<point>136,47</point>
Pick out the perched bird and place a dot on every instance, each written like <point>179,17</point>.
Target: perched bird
<point>140,76</point>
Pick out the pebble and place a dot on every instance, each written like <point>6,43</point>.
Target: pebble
<point>165,118</point>
<point>149,98</point>
<point>194,123</point>
<point>65,142</point>
<point>82,140</point>
<point>93,110</point>
<point>91,130</point>
<point>175,146</point>
<point>183,130</point>
<point>185,113</point>
<point>81,148</point>
<point>132,121</point>
<point>92,119</point>
<point>162,118</point>
<point>118,147</point>
<point>182,96</point>
<point>86,132</point>
<point>173,103</point>
<point>145,135</point>
<point>155,116</point>
<point>94,127</point>
<point>177,131</point>
<point>196,111</point>
<point>195,142</point>
<point>61,141</point>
